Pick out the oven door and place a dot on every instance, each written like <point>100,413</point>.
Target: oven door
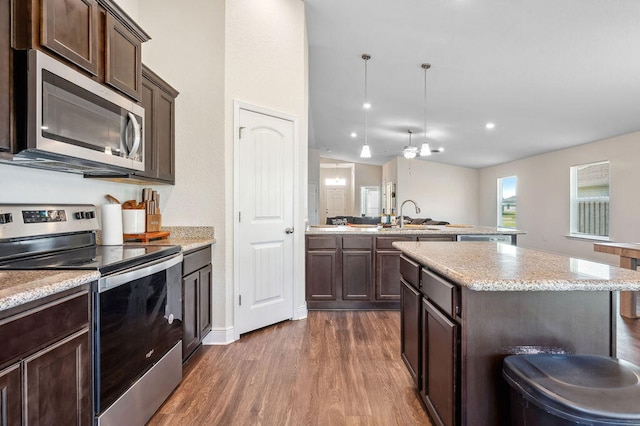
<point>137,320</point>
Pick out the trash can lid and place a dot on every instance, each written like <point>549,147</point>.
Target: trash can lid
<point>578,387</point>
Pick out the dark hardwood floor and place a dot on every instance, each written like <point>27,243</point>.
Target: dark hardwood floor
<point>334,368</point>
<point>628,339</point>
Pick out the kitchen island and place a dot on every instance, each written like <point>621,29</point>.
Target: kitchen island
<point>357,267</point>
<point>467,306</point>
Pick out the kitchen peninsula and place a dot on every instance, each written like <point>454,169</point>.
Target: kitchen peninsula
<point>467,306</point>
<point>357,267</point>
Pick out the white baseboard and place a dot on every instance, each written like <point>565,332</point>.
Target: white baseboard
<point>219,336</point>
<point>301,312</point>
<point>224,336</point>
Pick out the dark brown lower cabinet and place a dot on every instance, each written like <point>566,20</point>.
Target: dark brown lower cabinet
<point>410,309</point>
<point>57,383</point>
<point>11,396</point>
<point>356,275</point>
<point>440,377</point>
<point>321,269</point>
<point>196,299</point>
<point>45,362</point>
<point>463,336</point>
<point>190,334</point>
<point>356,271</point>
<point>206,312</point>
<point>357,268</point>
<point>387,273</point>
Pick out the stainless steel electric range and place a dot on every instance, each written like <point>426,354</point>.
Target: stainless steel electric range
<point>137,303</point>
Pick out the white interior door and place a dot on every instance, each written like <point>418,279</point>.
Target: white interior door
<point>336,202</point>
<point>265,216</point>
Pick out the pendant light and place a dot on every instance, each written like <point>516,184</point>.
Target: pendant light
<point>425,150</point>
<point>366,151</point>
<point>410,151</point>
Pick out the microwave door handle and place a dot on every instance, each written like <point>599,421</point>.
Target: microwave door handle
<point>136,135</point>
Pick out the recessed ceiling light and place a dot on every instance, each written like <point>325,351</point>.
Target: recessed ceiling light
<point>366,105</point>
<point>490,125</point>
<point>354,135</point>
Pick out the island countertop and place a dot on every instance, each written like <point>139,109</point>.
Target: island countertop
<point>411,230</point>
<point>485,266</point>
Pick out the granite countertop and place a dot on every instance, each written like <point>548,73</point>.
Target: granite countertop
<point>485,266</point>
<point>411,230</point>
<point>20,287</point>
<point>187,237</point>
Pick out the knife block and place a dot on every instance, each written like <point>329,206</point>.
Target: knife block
<point>154,222</point>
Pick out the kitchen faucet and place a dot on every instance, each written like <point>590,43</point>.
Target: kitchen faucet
<point>402,205</point>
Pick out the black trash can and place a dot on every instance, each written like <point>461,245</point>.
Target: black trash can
<point>559,390</point>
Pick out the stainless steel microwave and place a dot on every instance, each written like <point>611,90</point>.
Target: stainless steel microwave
<point>67,120</point>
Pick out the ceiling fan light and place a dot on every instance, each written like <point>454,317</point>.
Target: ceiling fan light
<point>410,152</point>
<point>366,152</point>
<point>425,150</point>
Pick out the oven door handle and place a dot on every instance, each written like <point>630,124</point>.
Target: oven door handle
<point>111,281</point>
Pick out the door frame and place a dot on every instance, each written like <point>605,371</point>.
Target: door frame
<point>299,312</point>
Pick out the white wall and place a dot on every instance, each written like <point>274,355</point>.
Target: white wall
<point>543,195</point>
<point>313,167</point>
<point>131,8</point>
<point>215,52</point>
<point>443,192</point>
<point>187,50</point>
<point>266,65</point>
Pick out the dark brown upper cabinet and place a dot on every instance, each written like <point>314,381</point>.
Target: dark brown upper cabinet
<point>94,36</point>
<point>158,100</point>
<point>5,76</point>
<point>70,28</point>
<point>123,58</point>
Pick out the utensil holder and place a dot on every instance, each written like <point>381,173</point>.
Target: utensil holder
<point>154,222</point>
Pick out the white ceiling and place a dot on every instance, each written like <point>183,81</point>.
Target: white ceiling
<point>549,73</point>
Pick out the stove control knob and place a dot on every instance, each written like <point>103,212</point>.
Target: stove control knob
<point>90,214</point>
<point>79,215</point>
<point>6,218</point>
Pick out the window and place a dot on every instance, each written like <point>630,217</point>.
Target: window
<point>335,181</point>
<point>507,202</point>
<point>590,199</point>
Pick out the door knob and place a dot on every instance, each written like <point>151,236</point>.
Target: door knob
<point>289,230</point>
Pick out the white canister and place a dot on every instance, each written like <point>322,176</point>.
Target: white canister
<point>111,224</point>
<point>133,221</point>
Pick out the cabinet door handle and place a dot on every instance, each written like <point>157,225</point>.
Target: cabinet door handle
<point>289,230</point>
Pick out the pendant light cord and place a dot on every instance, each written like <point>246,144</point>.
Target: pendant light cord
<point>366,58</point>
<point>425,67</point>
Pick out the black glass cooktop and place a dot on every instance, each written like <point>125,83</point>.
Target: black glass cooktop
<point>105,259</point>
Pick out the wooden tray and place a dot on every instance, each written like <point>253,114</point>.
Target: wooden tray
<point>147,236</point>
